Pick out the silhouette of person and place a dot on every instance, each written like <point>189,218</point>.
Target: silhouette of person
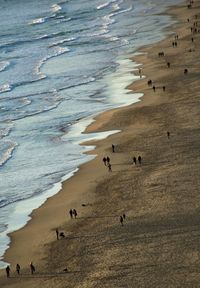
<point>62,234</point>
<point>57,234</point>
<point>32,268</point>
<point>109,167</point>
<point>168,64</point>
<point>71,213</point>
<point>124,216</point>
<point>8,271</point>
<point>134,160</point>
<point>140,159</point>
<point>75,213</point>
<point>154,88</point>
<point>18,269</point>
<point>121,220</point>
<point>113,148</point>
<point>104,160</point>
<point>163,88</point>
<point>108,160</point>
<point>168,134</point>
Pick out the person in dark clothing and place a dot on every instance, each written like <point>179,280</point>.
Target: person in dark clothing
<point>57,234</point>
<point>32,268</point>
<point>71,213</point>
<point>121,220</point>
<point>140,159</point>
<point>75,213</point>
<point>168,134</point>
<point>124,216</point>
<point>134,160</point>
<point>109,167</point>
<point>8,271</point>
<point>18,269</point>
<point>104,160</point>
<point>108,160</point>
<point>113,148</point>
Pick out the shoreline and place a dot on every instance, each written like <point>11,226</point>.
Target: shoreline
<point>103,121</point>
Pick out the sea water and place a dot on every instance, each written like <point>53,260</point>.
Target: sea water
<point>60,65</point>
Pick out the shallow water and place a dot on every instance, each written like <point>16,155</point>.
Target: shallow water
<point>61,64</point>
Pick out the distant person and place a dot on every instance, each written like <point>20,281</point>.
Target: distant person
<point>71,213</point>
<point>109,167</point>
<point>134,160</point>
<point>124,216</point>
<point>121,220</point>
<point>154,88</point>
<point>168,134</point>
<point>113,148</point>
<point>163,88</point>
<point>140,72</point>
<point>75,213</point>
<point>168,64</point>
<point>8,271</point>
<point>57,234</point>
<point>62,234</point>
<point>18,269</point>
<point>32,268</point>
<point>108,160</point>
<point>104,160</point>
<point>140,159</point>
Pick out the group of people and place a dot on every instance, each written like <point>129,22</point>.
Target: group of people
<point>139,160</point>
<point>18,268</point>
<point>106,161</point>
<point>122,218</point>
<point>73,213</point>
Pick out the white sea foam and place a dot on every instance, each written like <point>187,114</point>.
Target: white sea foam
<point>7,148</point>
<point>56,52</point>
<point>5,88</point>
<point>4,65</point>
<point>55,8</point>
<point>101,6</point>
<point>37,21</point>
<point>62,41</point>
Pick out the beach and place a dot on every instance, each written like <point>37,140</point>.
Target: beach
<point>158,244</point>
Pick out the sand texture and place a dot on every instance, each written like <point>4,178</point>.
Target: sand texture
<point>159,243</point>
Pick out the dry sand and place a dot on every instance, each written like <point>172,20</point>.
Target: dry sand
<point>158,246</point>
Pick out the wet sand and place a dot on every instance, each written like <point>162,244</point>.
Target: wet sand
<point>158,245</point>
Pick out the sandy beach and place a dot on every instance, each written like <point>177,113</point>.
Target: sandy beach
<point>158,244</point>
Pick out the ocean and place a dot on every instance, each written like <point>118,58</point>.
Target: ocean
<point>60,65</point>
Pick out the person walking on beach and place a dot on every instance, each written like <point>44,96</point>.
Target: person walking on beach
<point>109,167</point>
<point>71,213</point>
<point>124,216</point>
<point>32,268</point>
<point>140,159</point>
<point>134,160</point>
<point>108,160</point>
<point>168,134</point>
<point>18,269</point>
<point>154,88</point>
<point>104,160</point>
<point>75,213</point>
<point>113,148</point>
<point>121,220</point>
<point>57,234</point>
<point>8,271</point>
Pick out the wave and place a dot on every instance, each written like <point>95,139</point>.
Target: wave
<point>63,41</point>
<point>5,88</point>
<point>106,4</point>
<point>4,65</point>
<point>37,21</point>
<point>6,152</point>
<point>57,52</point>
<point>56,7</point>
